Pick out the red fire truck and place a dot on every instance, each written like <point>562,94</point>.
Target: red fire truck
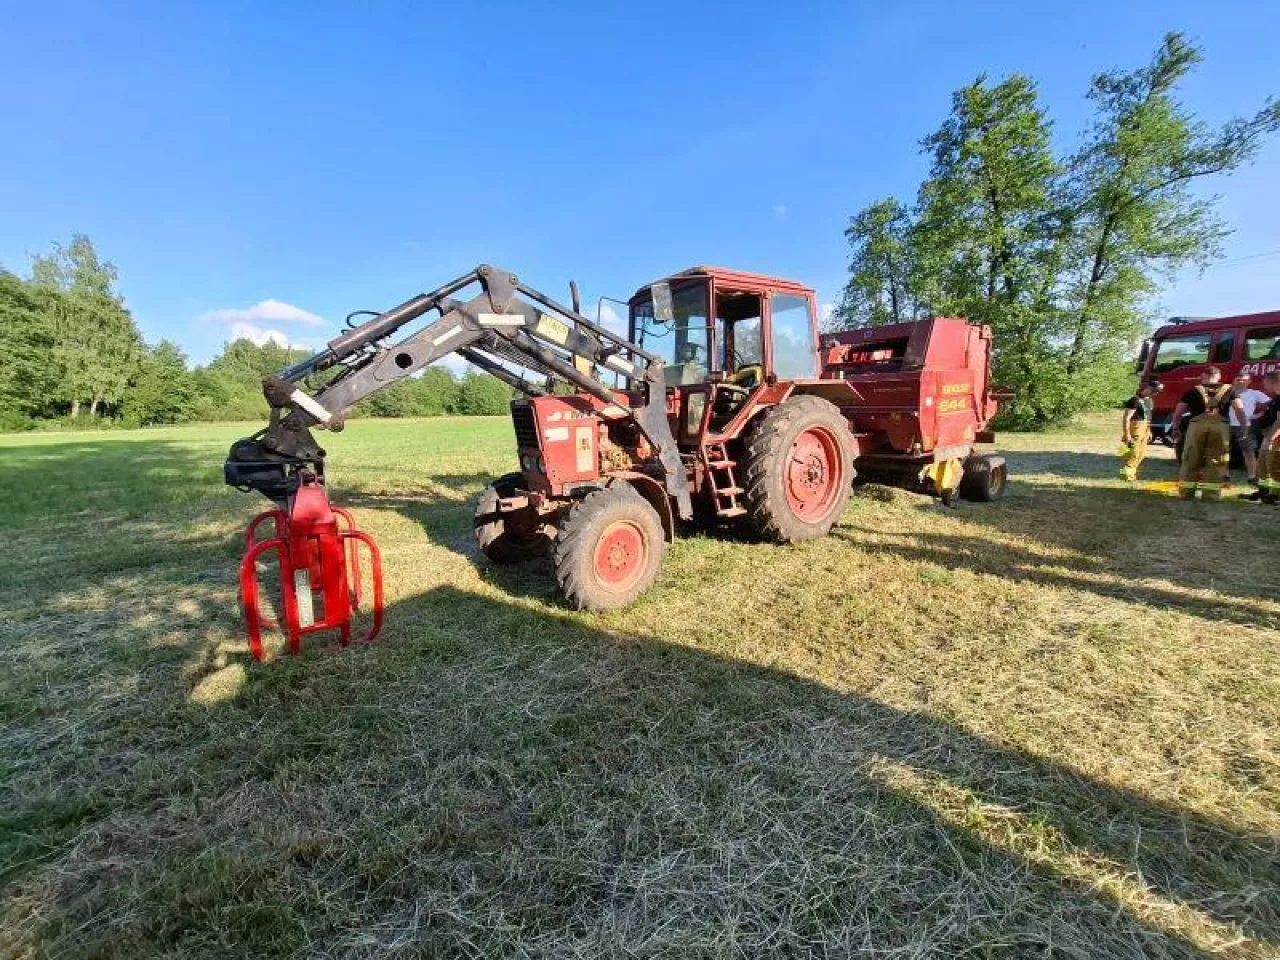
<point>1178,353</point>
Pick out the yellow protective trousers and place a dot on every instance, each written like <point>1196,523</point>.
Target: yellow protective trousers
<point>1204,457</point>
<point>1137,451</point>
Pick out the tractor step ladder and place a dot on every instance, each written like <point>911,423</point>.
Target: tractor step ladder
<point>724,487</point>
<point>319,569</point>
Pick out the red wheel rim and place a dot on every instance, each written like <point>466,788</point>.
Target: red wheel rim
<point>620,553</point>
<point>814,474</point>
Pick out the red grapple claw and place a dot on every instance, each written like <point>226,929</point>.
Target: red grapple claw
<point>318,549</point>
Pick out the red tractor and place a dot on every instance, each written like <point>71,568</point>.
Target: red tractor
<point>717,407</point>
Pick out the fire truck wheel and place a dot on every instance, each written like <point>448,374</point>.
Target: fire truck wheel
<point>608,549</point>
<point>984,479</point>
<point>509,537</point>
<point>797,470</point>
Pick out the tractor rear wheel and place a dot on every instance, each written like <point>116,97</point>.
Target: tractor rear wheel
<point>509,537</point>
<point>609,549</point>
<point>797,470</point>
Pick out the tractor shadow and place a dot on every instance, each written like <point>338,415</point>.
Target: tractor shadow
<point>599,789</point>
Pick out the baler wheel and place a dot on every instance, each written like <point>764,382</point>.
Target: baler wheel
<point>984,480</point>
<point>608,549</point>
<point>510,537</point>
<point>797,470</point>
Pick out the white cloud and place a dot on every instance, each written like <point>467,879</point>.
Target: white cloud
<point>825,312</point>
<point>264,335</point>
<point>264,312</point>
<point>780,211</point>
<point>259,335</point>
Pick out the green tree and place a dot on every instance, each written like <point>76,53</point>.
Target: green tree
<point>480,394</point>
<point>163,389</point>
<point>230,387</point>
<point>988,228</point>
<point>96,346</point>
<point>26,343</point>
<point>883,275</point>
<point>432,394</point>
<point>1059,257</point>
<point>1135,219</point>
<point>250,362</point>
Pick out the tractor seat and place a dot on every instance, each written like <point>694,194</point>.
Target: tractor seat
<point>732,393</point>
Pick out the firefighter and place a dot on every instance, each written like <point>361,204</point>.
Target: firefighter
<point>1135,428</point>
<point>1208,441</point>
<point>1269,450</point>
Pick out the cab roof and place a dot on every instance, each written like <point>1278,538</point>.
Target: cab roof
<point>728,276</point>
<point>1267,319</point>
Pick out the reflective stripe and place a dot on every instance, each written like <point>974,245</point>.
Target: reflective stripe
<point>312,406</point>
<point>447,335</point>
<point>1187,484</point>
<point>501,319</point>
<point>1210,486</point>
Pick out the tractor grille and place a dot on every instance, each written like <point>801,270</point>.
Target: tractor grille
<point>526,426</point>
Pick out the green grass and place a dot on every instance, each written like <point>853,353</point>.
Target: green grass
<point>1043,727</point>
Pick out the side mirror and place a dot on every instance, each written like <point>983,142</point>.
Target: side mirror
<point>663,312</point>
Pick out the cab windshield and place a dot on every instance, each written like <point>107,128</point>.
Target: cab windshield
<point>684,344</point>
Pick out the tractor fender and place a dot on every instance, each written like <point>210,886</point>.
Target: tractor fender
<point>838,391</point>
<point>654,493</point>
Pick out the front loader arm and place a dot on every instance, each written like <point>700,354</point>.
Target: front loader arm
<point>504,323</point>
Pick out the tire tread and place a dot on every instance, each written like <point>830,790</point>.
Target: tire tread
<point>769,519</point>
<point>574,544</point>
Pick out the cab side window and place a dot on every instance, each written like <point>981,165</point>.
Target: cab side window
<point>794,355</point>
<point>1178,352</point>
<point>1224,348</point>
<point>1262,344</point>
<point>738,315</point>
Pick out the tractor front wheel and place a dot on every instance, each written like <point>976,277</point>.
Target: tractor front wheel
<point>510,537</point>
<point>608,550</point>
<point>797,470</point>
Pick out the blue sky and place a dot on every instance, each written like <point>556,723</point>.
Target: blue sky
<point>279,164</point>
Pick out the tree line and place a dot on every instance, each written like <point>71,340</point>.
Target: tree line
<point>1059,253</point>
<point>71,352</point>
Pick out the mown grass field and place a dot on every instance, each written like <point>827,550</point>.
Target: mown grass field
<point>1044,727</point>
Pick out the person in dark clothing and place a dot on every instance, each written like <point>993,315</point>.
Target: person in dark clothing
<point>1135,428</point>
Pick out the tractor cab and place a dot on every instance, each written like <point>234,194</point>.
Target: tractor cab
<point>725,337</point>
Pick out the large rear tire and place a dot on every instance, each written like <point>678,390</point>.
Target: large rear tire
<point>797,470</point>
<point>608,550</point>
<point>509,537</point>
